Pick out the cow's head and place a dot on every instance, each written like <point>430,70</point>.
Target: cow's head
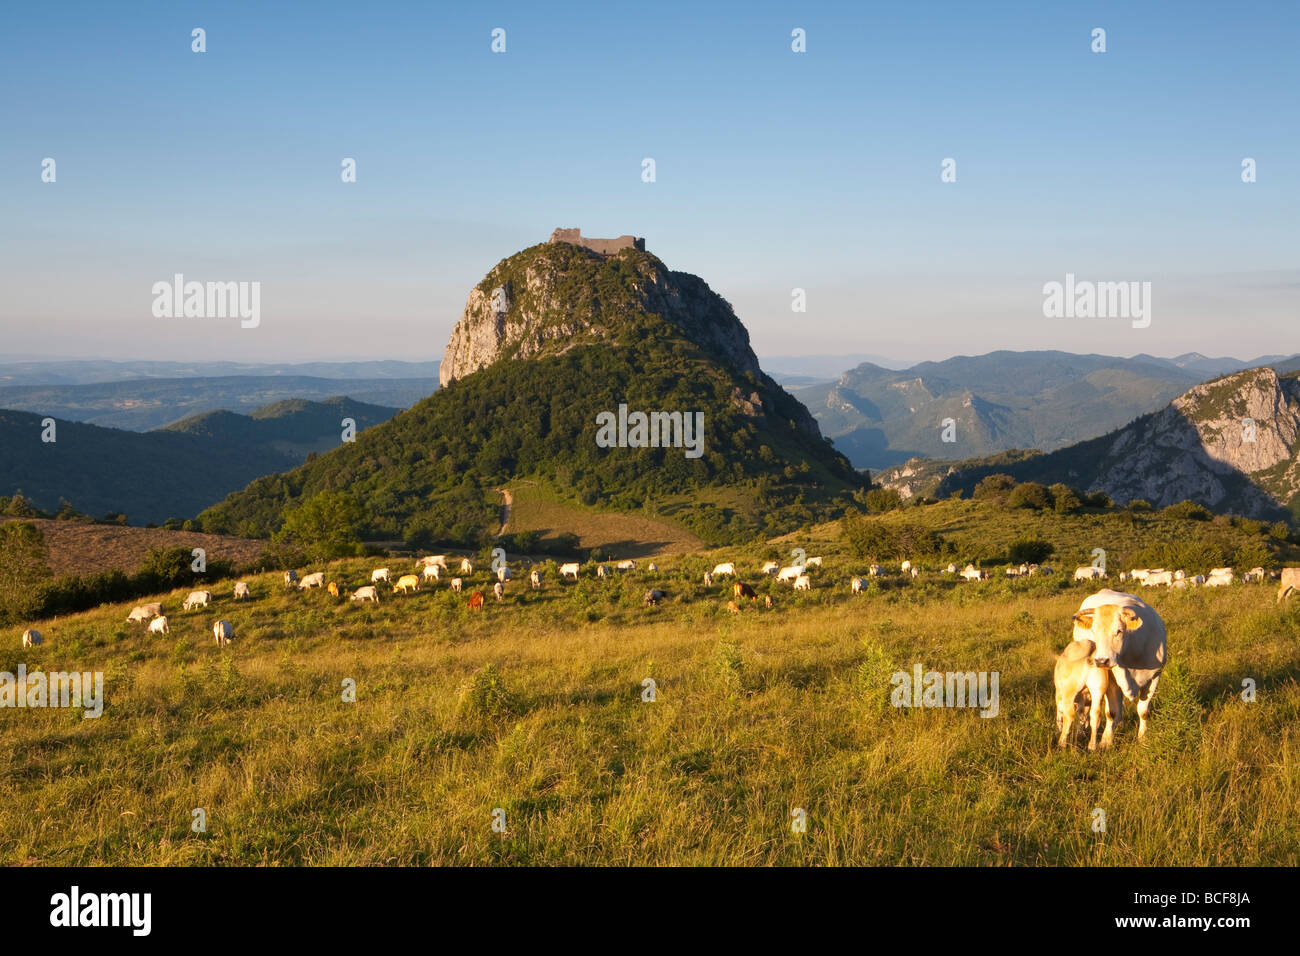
<point>1107,626</point>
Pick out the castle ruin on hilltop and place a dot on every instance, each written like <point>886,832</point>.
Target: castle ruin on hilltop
<point>606,247</point>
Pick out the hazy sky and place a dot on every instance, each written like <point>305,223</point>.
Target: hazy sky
<point>775,169</point>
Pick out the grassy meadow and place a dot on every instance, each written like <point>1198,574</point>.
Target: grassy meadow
<point>534,707</point>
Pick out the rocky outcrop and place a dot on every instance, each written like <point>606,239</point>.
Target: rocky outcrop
<point>556,295</point>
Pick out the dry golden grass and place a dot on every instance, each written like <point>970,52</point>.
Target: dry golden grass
<point>535,707</point>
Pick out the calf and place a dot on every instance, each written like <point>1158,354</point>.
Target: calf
<point>1082,688</point>
<point>242,592</point>
<point>224,632</point>
<point>159,625</point>
<point>457,584</point>
<point>498,590</point>
<point>535,580</point>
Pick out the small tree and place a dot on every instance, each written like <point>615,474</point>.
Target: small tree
<point>22,570</point>
<point>326,526</point>
<point>1029,551</point>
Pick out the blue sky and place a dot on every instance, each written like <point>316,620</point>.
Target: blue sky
<point>775,170</point>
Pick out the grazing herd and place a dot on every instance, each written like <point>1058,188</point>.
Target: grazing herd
<point>1117,652</point>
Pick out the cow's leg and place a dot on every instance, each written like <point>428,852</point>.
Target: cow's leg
<point>1064,719</point>
<point>1144,705</point>
<point>1114,713</point>
<point>1094,714</point>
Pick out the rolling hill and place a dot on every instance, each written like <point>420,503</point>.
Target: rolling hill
<point>553,337</point>
<point>173,472</point>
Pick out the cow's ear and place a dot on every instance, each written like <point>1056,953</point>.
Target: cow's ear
<point>1084,619</point>
<point>1131,619</point>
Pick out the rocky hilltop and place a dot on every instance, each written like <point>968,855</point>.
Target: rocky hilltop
<point>536,303</point>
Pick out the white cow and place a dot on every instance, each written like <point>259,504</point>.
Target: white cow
<point>144,612</point>
<point>535,579</point>
<point>1254,574</point>
<point>1219,577</point>
<point>770,567</point>
<point>224,632</point>
<point>31,637</point>
<point>726,568</point>
<point>1138,574</point>
<point>950,569</point>
<point>503,575</point>
<point>1156,579</point>
<point>466,566</point>
<point>626,565</point>
<point>1129,639</point>
<point>379,574</point>
<point>708,579</point>
<point>159,625</point>
<point>435,560</point>
<point>914,572</point>
<point>457,584</point>
<point>876,571</point>
<point>602,572</point>
<point>316,580</point>
<point>803,583</point>
<point>198,599</point>
<point>789,574</point>
<point>1088,573</point>
<point>905,566</point>
<point>290,578</point>
<point>972,573</point>
<point>857,585</point>
<point>242,592</point>
<point>813,562</point>
<point>429,571</point>
<point>653,568</point>
<point>570,570</point>
<point>499,590</point>
<point>367,593</point>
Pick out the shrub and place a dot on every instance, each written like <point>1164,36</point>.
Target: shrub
<point>1279,530</point>
<point>879,500</point>
<point>1188,510</point>
<point>487,695</point>
<point>1098,499</point>
<point>1029,551</point>
<point>1139,504</point>
<point>1029,495</point>
<point>1253,555</point>
<point>994,487</point>
<point>1065,499</point>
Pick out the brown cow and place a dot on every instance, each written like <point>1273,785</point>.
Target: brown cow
<point>743,590</point>
<point>731,606</point>
<point>475,603</point>
<point>333,588</point>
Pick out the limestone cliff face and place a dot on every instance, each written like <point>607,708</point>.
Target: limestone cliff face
<point>556,296</point>
<point>1232,445</point>
<point>1208,441</point>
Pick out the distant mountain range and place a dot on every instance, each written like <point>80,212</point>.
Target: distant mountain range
<point>88,371</point>
<point>171,472</point>
<point>1231,444</point>
<point>989,403</point>
<point>141,404</point>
